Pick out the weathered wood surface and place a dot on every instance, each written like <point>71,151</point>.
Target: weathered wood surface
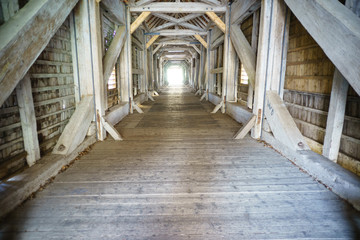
<point>43,18</point>
<point>179,175</point>
<point>28,120</point>
<point>337,30</point>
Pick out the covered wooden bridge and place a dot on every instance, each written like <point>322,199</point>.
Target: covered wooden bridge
<point>206,119</point>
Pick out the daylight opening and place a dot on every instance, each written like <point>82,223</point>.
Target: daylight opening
<point>175,76</point>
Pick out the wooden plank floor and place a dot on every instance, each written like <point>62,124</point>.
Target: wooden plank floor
<point>179,175</point>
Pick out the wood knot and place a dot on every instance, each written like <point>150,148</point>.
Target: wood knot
<point>61,148</point>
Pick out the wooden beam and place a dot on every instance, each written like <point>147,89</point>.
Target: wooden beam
<point>180,32</point>
<point>270,62</point>
<point>137,43</point>
<point>241,10</point>
<point>247,126</point>
<point>254,42</point>
<point>111,130</point>
<point>178,7</point>
<point>23,38</point>
<point>177,20</point>
<point>138,21</point>
<point>201,40</point>
<point>214,2</point>
<point>76,129</point>
<point>142,2</point>
<point>282,124</point>
<point>113,52</point>
<point>244,51</point>
<point>97,71</point>
<point>217,42</point>
<point>163,26</point>
<point>335,119</point>
<point>217,21</point>
<point>28,120</point>
<point>151,41</point>
<point>191,26</point>
<point>114,10</point>
<point>337,30</point>
<point>157,48</point>
<point>336,115</point>
<point>231,66</point>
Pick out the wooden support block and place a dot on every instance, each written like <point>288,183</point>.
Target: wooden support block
<point>217,107</point>
<point>28,120</point>
<point>201,40</point>
<point>111,130</point>
<point>245,128</point>
<point>113,52</point>
<point>217,21</point>
<point>20,47</point>
<point>151,41</point>
<point>149,96</point>
<point>138,21</point>
<point>75,131</point>
<point>244,51</point>
<point>136,107</point>
<point>282,124</point>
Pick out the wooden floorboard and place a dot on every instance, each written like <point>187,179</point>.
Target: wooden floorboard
<point>179,175</point>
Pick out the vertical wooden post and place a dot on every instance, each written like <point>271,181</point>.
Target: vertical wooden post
<point>336,115</point>
<point>124,72</point>
<point>225,59</point>
<point>127,49</point>
<point>89,55</point>
<point>208,60</point>
<point>144,86</point>
<point>335,119</point>
<point>75,59</point>
<point>201,67</point>
<point>197,70</point>
<point>97,71</point>
<point>156,73</point>
<point>28,120</point>
<point>221,59</point>
<point>230,66</point>
<point>254,41</point>
<point>151,68</point>
<point>269,63</point>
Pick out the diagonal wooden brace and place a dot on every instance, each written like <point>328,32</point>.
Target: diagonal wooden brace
<point>111,130</point>
<point>136,107</point>
<point>217,107</point>
<point>149,95</point>
<point>245,128</point>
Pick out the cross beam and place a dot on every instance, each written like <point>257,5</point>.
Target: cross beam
<point>217,21</point>
<point>138,21</point>
<point>178,7</point>
<point>201,40</point>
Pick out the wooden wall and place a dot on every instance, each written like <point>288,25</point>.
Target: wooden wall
<point>54,101</point>
<point>308,85</point>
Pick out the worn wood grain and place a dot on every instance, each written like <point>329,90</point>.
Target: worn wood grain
<point>178,174</point>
